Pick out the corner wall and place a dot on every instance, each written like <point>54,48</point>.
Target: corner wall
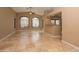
<point>70,25</point>
<point>7,16</point>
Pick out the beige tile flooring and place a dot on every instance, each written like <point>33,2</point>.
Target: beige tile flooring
<point>24,41</point>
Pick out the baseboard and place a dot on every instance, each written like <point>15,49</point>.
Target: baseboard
<point>30,30</point>
<point>53,35</point>
<point>75,47</point>
<point>7,36</point>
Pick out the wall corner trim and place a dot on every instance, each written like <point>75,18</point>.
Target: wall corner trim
<point>7,36</point>
<point>74,46</point>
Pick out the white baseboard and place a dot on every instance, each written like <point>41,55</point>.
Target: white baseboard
<point>7,36</point>
<point>75,47</point>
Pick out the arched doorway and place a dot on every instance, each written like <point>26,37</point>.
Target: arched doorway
<point>35,22</point>
<point>24,22</point>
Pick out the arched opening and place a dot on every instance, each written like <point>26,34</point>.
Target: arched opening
<point>24,22</point>
<point>35,22</point>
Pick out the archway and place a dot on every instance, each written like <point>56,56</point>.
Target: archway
<point>35,22</point>
<point>24,22</point>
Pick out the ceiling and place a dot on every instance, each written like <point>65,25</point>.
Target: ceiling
<point>37,10</point>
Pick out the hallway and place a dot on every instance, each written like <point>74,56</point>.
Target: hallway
<point>33,41</point>
<point>39,29</point>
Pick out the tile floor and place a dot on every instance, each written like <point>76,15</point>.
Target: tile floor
<point>34,41</point>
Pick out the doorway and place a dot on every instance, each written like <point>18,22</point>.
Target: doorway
<point>24,22</point>
<point>35,22</point>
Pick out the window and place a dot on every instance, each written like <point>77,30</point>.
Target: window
<point>35,22</point>
<point>57,22</point>
<point>24,22</point>
<point>52,21</point>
